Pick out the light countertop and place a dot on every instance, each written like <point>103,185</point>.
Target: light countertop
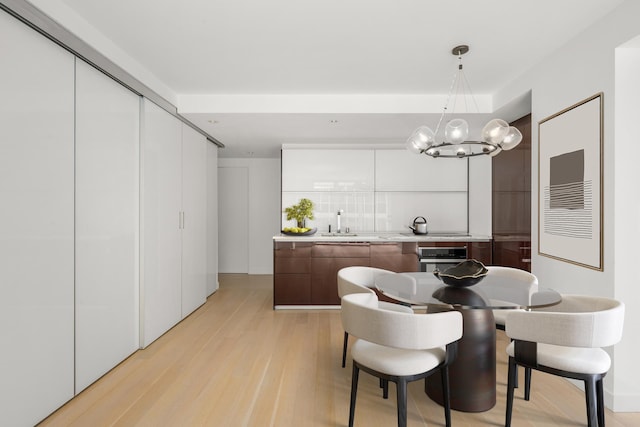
<point>383,237</point>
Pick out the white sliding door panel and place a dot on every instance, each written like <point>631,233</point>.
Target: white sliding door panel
<point>212,218</point>
<point>107,199</point>
<point>233,229</point>
<point>160,229</point>
<point>194,227</point>
<point>36,225</point>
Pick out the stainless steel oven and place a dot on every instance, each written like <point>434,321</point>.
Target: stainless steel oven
<point>431,258</point>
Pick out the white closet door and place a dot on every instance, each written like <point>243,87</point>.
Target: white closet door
<point>212,218</point>
<point>194,231</point>
<point>107,199</point>
<point>36,225</point>
<point>160,228</point>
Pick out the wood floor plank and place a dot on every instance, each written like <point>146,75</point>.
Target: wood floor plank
<point>237,362</point>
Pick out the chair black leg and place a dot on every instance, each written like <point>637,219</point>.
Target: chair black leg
<point>385,389</point>
<point>590,395</point>
<point>527,383</point>
<point>446,395</point>
<point>516,384</point>
<point>354,390</point>
<point>344,349</point>
<point>401,386</point>
<point>513,371</point>
<point>600,394</point>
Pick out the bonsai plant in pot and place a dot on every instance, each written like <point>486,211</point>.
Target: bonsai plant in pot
<point>300,213</point>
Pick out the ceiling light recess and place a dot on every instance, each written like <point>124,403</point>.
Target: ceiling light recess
<point>496,135</point>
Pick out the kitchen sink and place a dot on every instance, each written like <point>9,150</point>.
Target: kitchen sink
<point>338,234</point>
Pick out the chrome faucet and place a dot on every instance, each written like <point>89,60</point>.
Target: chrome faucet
<point>338,229</point>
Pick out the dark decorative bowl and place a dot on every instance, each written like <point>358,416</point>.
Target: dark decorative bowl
<point>467,273</point>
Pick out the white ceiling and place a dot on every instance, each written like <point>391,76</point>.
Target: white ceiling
<point>239,58</point>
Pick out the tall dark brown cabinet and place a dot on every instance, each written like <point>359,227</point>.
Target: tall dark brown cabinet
<point>511,197</point>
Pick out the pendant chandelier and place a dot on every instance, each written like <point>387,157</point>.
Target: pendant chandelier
<point>496,135</point>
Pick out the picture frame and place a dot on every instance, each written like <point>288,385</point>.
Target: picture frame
<point>570,184</point>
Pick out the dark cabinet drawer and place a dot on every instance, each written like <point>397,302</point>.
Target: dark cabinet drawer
<point>394,256</point>
<point>292,250</point>
<point>340,250</point>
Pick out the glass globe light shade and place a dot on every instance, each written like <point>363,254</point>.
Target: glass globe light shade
<point>456,131</point>
<point>513,138</point>
<point>421,139</point>
<point>495,131</point>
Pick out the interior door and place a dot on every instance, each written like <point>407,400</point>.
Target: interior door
<point>233,210</point>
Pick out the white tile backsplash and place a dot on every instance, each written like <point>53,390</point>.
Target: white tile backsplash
<point>358,209</point>
<point>383,211</point>
<point>444,211</point>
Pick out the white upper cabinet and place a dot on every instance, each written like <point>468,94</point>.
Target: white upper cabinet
<point>401,170</point>
<point>327,170</point>
<point>194,220</point>
<point>36,225</point>
<point>161,221</point>
<point>107,199</point>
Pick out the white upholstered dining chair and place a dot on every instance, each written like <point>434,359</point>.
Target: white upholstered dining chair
<point>566,340</point>
<point>515,285</point>
<point>361,279</point>
<point>399,347</point>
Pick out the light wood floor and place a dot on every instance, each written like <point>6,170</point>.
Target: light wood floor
<point>237,362</point>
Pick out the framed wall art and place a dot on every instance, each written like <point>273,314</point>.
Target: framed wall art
<point>570,190</point>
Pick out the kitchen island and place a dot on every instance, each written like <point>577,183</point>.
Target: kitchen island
<point>306,267</point>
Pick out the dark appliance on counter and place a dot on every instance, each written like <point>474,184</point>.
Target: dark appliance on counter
<point>431,258</point>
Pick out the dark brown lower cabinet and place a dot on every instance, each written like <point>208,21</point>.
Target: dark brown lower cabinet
<point>292,273</point>
<point>395,256</point>
<point>327,259</point>
<point>512,252</point>
<point>306,273</point>
<point>481,251</point>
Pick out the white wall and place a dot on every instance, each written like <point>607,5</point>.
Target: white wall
<point>262,219</point>
<point>582,68</point>
<point>626,212</point>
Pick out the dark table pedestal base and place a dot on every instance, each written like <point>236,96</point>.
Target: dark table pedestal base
<point>472,376</point>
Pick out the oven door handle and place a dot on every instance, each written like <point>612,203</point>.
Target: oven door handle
<point>440,260</point>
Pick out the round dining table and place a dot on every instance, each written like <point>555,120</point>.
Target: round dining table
<point>472,375</point>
